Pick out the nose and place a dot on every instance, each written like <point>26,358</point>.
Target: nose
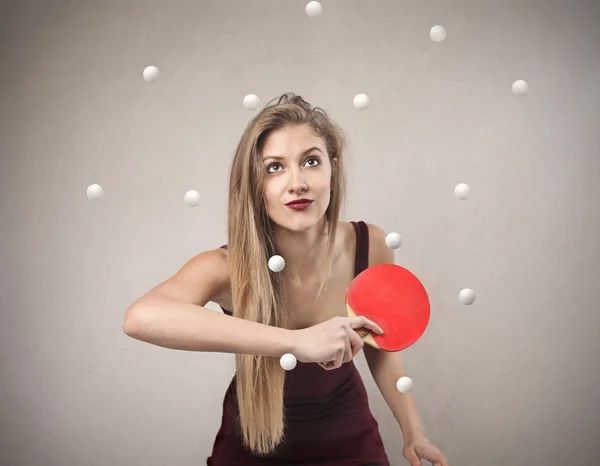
<point>297,182</point>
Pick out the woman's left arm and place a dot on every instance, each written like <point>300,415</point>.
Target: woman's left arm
<point>387,368</point>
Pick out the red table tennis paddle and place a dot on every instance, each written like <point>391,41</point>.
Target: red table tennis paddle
<point>393,298</point>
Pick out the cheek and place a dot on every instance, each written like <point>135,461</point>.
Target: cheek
<point>324,183</point>
<point>269,193</point>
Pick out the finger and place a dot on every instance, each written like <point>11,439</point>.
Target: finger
<point>443,461</point>
<point>338,360</point>
<point>327,365</point>
<point>356,342</point>
<point>347,346</point>
<point>413,459</point>
<point>362,321</point>
<point>437,458</point>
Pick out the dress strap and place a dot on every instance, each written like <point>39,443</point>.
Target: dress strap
<point>361,259</point>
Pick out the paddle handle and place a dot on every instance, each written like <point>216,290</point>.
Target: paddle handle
<point>362,332</point>
<point>365,334</point>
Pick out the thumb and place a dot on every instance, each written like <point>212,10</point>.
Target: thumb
<point>414,459</point>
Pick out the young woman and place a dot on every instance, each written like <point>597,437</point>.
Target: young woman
<point>317,413</point>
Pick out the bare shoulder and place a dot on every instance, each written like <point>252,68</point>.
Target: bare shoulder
<point>347,238</point>
<point>203,278</point>
<point>379,253</point>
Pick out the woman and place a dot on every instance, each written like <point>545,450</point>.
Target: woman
<point>317,413</point>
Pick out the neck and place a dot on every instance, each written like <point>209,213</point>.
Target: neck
<point>303,251</point>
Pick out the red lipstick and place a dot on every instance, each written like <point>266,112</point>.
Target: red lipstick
<point>299,204</point>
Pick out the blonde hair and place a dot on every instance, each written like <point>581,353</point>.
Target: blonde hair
<point>258,294</point>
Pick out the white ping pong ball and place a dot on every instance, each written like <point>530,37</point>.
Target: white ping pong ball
<point>438,33</point>
<point>192,198</point>
<point>94,192</point>
<point>150,74</point>
<point>251,101</point>
<point>462,191</point>
<point>393,240</point>
<point>288,361</point>
<point>276,263</point>
<point>361,101</point>
<point>467,296</point>
<point>404,384</point>
<point>313,9</point>
<point>520,88</point>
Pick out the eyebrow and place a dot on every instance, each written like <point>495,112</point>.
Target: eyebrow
<point>280,157</point>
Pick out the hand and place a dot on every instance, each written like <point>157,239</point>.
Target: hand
<point>333,342</point>
<point>418,448</point>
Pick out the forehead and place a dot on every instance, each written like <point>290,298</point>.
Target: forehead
<point>291,142</point>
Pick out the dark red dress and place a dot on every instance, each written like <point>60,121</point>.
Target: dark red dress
<point>328,417</point>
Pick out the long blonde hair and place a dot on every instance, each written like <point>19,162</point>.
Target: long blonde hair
<point>258,294</point>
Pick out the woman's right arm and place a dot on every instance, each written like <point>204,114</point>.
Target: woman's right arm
<point>172,314</point>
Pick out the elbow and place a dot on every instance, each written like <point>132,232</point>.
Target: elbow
<point>128,327</point>
<point>131,321</point>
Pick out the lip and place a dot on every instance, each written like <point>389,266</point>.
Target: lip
<point>299,202</point>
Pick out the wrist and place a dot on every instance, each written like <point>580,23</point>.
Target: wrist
<point>413,433</point>
<point>289,341</point>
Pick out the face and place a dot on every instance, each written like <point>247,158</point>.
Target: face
<point>297,166</point>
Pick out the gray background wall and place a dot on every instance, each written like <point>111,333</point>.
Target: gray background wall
<point>511,379</point>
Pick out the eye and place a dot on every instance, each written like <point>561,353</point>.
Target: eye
<point>271,165</point>
<point>277,164</point>
<point>316,160</point>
